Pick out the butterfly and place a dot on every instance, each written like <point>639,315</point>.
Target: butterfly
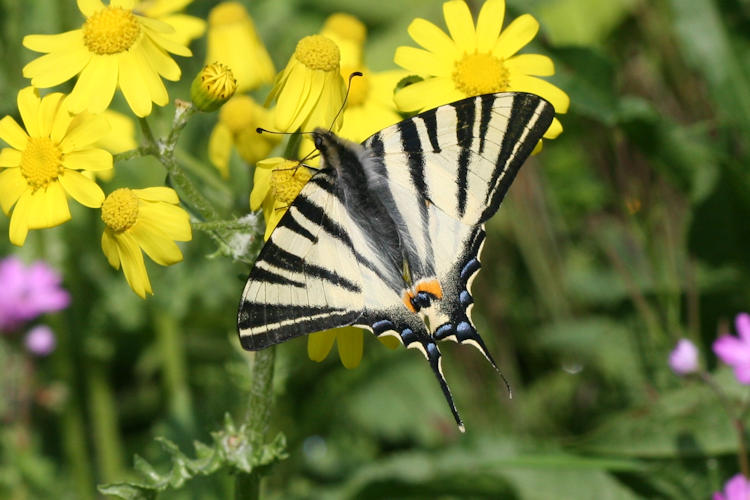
<point>387,235</point>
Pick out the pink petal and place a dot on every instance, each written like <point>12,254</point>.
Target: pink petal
<point>742,323</point>
<point>732,350</point>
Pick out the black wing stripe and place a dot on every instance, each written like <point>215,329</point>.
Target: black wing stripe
<point>465,115</point>
<point>430,122</point>
<point>270,277</point>
<point>486,114</point>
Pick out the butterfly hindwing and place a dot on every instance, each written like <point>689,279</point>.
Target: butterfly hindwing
<point>293,289</point>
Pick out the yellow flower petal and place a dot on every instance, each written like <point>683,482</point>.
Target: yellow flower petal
<point>94,160</point>
<point>19,224</point>
<point>109,247</point>
<point>186,27</point>
<point>89,7</point>
<point>349,342</point>
<point>433,39</point>
<point>28,106</point>
<point>489,24</point>
<point>220,148</point>
<point>10,157</point>
<point>83,131</point>
<point>542,88</point>
<point>57,67</point>
<point>125,4</point>
<point>48,207</point>
<point>95,86</point>
<point>422,62</point>
<point>460,25</point>
<point>291,103</point>
<point>169,45</point>
<point>160,249</point>
<point>531,64</point>
<point>156,89</point>
<point>171,220</point>
<point>427,94</point>
<point>82,189</point>
<point>261,186</point>
<point>158,193</point>
<point>12,186</point>
<point>132,263</point>
<point>319,344</point>
<point>521,31</point>
<point>121,136</point>
<point>554,129</point>
<point>13,134</point>
<point>132,85</point>
<point>389,341</point>
<point>62,42</point>
<point>274,217</point>
<point>161,61</point>
<point>48,111</point>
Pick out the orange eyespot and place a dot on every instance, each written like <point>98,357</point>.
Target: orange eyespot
<point>432,287</point>
<point>407,298</point>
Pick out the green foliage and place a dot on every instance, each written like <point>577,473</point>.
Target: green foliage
<point>231,449</point>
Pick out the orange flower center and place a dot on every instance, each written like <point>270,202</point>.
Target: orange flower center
<point>120,210</point>
<point>41,162</point>
<point>111,30</point>
<point>478,74</point>
<point>318,53</point>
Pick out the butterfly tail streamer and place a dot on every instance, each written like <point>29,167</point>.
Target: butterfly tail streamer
<point>434,358</point>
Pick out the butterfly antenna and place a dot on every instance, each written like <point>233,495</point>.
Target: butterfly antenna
<point>346,98</point>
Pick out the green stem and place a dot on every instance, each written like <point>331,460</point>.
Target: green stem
<point>230,225</point>
<point>174,364</point>
<point>102,407</point>
<point>257,419</point>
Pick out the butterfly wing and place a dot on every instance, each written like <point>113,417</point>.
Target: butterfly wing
<point>293,289</point>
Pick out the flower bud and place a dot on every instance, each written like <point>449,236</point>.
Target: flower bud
<point>213,86</point>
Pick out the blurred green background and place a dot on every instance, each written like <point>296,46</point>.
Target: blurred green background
<point>628,232</point>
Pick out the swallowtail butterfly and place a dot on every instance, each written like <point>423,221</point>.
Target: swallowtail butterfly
<point>387,235</point>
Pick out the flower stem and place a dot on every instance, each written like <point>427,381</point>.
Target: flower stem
<point>102,407</point>
<point>257,419</point>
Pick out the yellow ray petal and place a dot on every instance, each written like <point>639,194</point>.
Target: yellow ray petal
<point>12,186</point>
<point>82,189</point>
<point>19,221</point>
<point>531,64</point>
<point>289,104</point>
<point>159,193</point>
<point>10,157</point>
<point>95,86</point>
<point>109,247</point>
<point>172,221</point>
<point>133,266</point>
<point>433,39</point>
<point>83,131</point>
<point>542,88</point>
<point>422,62</point>
<point>521,31</point>
<point>489,24</point>
<point>151,79</point>
<point>125,4</point>
<point>427,94</point>
<point>349,341</point>
<point>554,129</point>
<point>57,67</point>
<point>12,133</point>
<point>186,27</point>
<point>28,106</point>
<point>94,160</point>
<point>133,87</point>
<point>48,111</point>
<point>160,249</point>
<point>220,148</point>
<point>48,207</point>
<point>261,186</point>
<point>460,25</point>
<point>319,344</point>
<point>169,45</point>
<point>160,60</point>
<point>62,42</point>
<point>89,7</point>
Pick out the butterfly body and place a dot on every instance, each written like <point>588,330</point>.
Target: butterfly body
<point>387,235</point>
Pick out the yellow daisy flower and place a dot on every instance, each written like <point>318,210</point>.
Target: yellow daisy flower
<point>41,167</point>
<point>370,105</point>
<point>238,120</point>
<point>143,219</point>
<point>115,48</point>
<point>232,40</point>
<point>309,91</point>
<point>475,60</point>
<point>186,28</point>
